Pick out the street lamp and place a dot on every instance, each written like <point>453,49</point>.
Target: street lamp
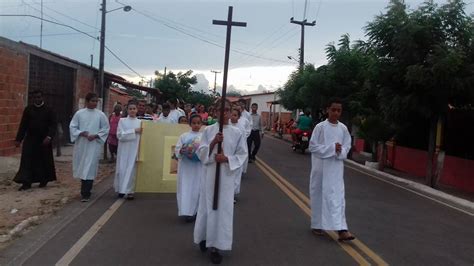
<point>102,47</point>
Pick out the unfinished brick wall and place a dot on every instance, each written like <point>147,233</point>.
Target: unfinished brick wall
<point>115,95</point>
<point>13,91</point>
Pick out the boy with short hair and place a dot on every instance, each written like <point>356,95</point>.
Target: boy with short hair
<point>89,129</point>
<point>329,145</point>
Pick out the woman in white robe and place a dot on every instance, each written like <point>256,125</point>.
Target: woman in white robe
<point>88,129</point>
<point>330,142</point>
<point>214,227</point>
<point>189,170</point>
<point>128,134</point>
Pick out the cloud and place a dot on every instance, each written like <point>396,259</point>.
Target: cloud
<point>202,83</point>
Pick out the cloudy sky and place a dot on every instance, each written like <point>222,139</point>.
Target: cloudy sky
<point>179,35</point>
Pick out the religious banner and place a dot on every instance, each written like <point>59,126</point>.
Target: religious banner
<point>156,165</point>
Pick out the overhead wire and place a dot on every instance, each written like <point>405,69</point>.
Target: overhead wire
<point>78,30</point>
<point>183,31</point>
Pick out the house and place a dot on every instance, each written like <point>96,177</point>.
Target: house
<point>269,108</point>
<point>64,82</point>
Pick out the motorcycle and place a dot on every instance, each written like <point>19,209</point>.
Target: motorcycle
<point>302,141</point>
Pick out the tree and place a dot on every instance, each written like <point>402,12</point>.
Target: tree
<point>425,62</point>
<point>175,86</point>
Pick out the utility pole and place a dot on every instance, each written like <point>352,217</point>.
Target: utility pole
<point>302,24</point>
<point>215,78</point>
<point>41,29</point>
<point>101,57</point>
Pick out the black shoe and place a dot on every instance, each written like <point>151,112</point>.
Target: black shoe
<point>250,160</point>
<point>121,195</point>
<point>130,197</point>
<point>24,187</point>
<point>43,184</point>
<point>216,258</point>
<point>202,246</point>
<point>84,199</point>
<point>190,219</point>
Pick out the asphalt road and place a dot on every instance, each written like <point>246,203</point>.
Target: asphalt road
<point>271,225</point>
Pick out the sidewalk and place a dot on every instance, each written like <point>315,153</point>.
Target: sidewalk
<point>444,193</point>
<point>20,210</point>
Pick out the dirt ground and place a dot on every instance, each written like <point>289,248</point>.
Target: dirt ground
<point>17,206</point>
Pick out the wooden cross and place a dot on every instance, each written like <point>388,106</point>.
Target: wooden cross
<point>229,23</point>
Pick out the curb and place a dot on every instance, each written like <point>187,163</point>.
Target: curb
<point>463,205</point>
<point>22,249</point>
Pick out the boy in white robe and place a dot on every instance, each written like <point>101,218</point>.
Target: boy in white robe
<point>329,145</point>
<point>89,129</point>
<point>165,116</point>
<point>214,228</point>
<point>237,121</point>
<point>128,133</point>
<point>189,170</point>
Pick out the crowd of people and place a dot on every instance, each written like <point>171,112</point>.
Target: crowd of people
<point>198,157</point>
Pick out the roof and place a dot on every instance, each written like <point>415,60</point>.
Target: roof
<point>107,75</point>
<point>118,91</point>
<point>258,94</point>
<point>233,99</point>
<point>127,84</point>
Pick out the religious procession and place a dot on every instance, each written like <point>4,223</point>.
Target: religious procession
<point>363,157</point>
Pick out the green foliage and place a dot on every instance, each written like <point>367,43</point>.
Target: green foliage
<point>414,64</point>
<point>175,86</point>
<point>195,97</point>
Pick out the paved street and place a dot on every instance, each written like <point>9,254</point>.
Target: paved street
<point>271,225</point>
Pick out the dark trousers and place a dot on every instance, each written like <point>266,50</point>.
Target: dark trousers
<point>253,138</point>
<point>86,187</point>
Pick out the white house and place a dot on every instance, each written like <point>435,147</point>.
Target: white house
<point>266,101</point>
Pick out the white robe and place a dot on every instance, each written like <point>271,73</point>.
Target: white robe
<point>86,153</point>
<point>241,125</point>
<point>166,120</point>
<point>175,114</point>
<point>189,176</point>
<point>216,226</point>
<point>125,170</point>
<point>327,176</point>
<point>246,123</point>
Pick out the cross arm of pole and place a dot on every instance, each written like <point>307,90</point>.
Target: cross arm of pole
<point>225,22</point>
<point>304,22</point>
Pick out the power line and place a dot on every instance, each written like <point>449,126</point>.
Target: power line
<point>239,51</point>
<point>78,30</point>
<point>69,17</point>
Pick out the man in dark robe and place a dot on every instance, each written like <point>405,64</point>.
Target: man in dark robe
<point>37,129</point>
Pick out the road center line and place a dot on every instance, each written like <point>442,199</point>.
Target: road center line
<point>82,242</point>
<point>346,247</point>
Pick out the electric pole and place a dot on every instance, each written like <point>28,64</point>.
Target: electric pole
<point>101,57</point>
<point>302,24</point>
<point>215,78</point>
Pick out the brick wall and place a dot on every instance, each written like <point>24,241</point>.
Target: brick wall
<point>115,96</point>
<point>13,91</point>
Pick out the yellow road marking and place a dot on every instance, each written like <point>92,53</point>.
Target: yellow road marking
<point>350,250</point>
<point>372,255</point>
<point>82,242</point>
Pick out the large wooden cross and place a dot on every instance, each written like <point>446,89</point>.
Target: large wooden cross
<point>229,23</point>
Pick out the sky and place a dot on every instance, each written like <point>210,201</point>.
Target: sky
<point>179,35</point>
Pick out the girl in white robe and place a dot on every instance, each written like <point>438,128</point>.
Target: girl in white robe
<point>241,123</point>
<point>88,130</point>
<point>128,134</point>
<point>330,142</point>
<point>189,170</point>
<point>214,228</point>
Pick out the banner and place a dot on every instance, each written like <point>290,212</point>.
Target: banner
<point>156,169</point>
